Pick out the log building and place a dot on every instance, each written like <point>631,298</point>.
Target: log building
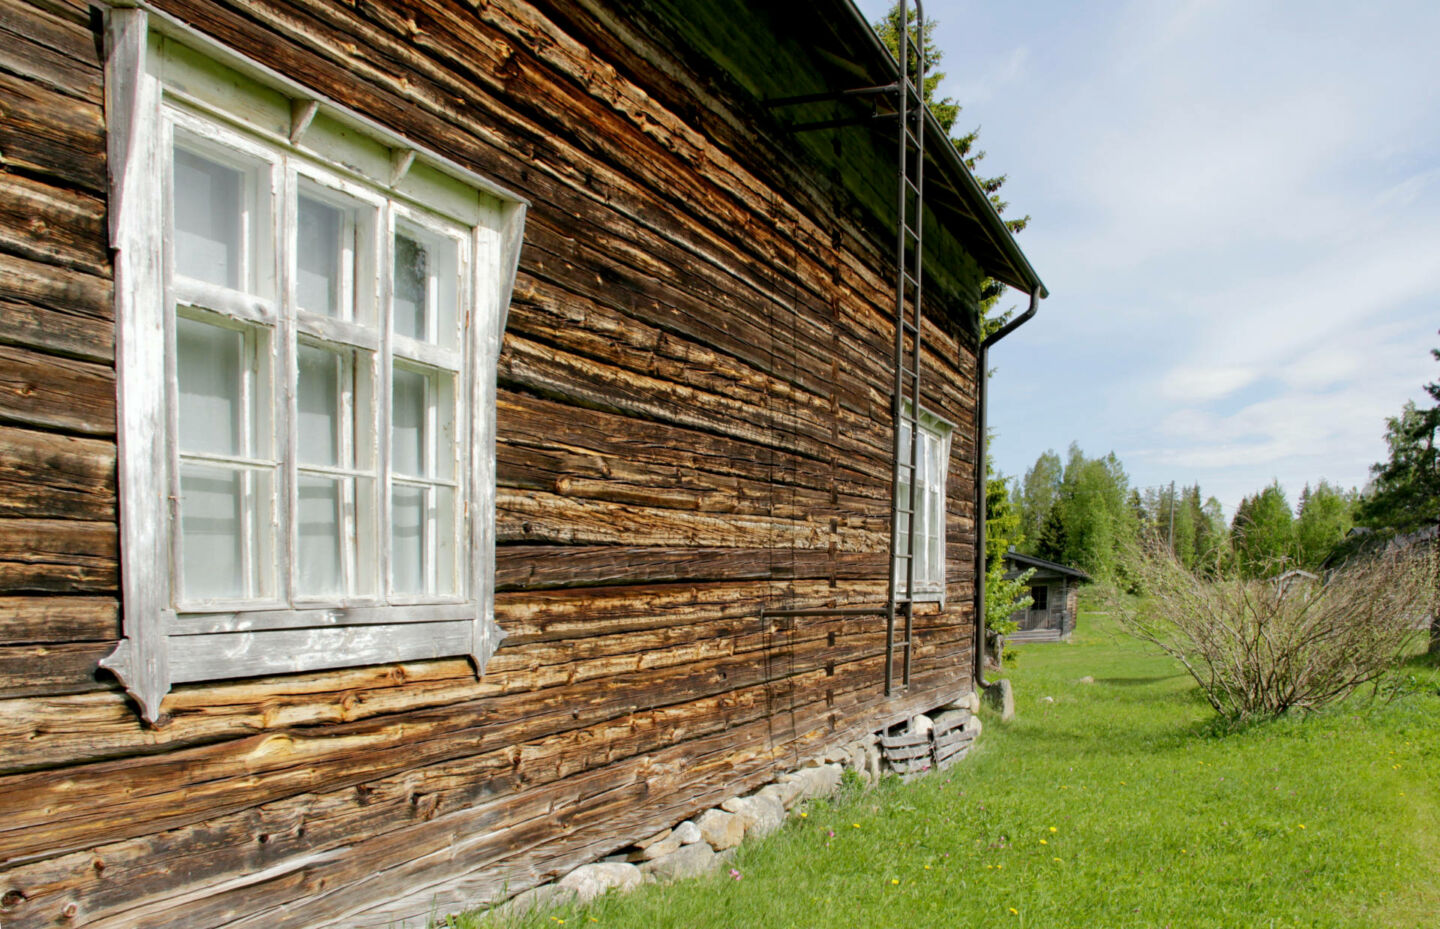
<point>408,409</point>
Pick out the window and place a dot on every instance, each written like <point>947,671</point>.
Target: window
<point>309,312</point>
<point>932,464</point>
<point>1040,594</point>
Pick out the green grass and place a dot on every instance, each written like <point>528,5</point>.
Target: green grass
<point>1119,804</point>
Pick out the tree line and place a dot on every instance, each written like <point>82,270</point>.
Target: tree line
<point>1084,511</point>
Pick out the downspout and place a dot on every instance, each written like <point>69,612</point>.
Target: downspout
<point>982,477</point>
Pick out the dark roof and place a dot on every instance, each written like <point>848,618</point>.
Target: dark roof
<point>769,51</point>
<point>1030,561</point>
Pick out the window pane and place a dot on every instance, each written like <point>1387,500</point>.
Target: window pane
<point>408,422</point>
<point>318,405</point>
<point>445,581</point>
<point>412,287</point>
<point>318,528</point>
<point>426,286</point>
<point>318,262</point>
<point>209,227</point>
<point>209,367</point>
<point>407,540</point>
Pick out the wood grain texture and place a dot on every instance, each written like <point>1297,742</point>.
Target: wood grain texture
<point>691,425</point>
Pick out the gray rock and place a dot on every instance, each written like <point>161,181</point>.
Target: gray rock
<point>762,815</point>
<point>950,719</point>
<point>688,833</point>
<point>721,830</point>
<point>687,861</point>
<point>973,726</point>
<point>544,897</point>
<point>1001,695</point>
<point>874,767</point>
<point>656,849</point>
<point>820,781</point>
<point>660,836</point>
<point>591,880</point>
<point>1087,679</point>
<point>786,793</point>
<point>920,724</point>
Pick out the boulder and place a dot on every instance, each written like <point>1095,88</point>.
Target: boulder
<point>721,830</point>
<point>786,793</point>
<point>973,726</point>
<point>821,781</point>
<point>688,833</point>
<point>543,897</point>
<point>761,814</point>
<point>1001,695</point>
<point>591,880</point>
<point>951,719</point>
<point>1087,679</point>
<point>687,861</point>
<point>654,850</point>
<point>873,763</point>
<point>920,724</point>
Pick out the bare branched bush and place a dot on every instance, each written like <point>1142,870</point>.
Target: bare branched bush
<point>1262,647</point>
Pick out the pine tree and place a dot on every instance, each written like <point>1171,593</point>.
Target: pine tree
<point>1322,519</point>
<point>1263,533</point>
<point>1406,494</point>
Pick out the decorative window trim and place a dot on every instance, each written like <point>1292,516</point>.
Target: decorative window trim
<point>160,646</point>
<point>930,588</point>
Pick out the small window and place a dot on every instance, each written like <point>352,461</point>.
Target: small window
<point>1040,594</point>
<point>309,314</point>
<point>932,465</point>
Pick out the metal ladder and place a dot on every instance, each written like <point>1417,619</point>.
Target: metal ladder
<point>909,288</point>
<point>908,97</point>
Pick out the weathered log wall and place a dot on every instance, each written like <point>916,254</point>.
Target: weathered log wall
<point>693,424</point>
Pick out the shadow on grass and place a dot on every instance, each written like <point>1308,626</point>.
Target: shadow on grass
<point>1139,681</point>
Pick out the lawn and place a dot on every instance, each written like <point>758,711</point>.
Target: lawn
<point>1116,803</point>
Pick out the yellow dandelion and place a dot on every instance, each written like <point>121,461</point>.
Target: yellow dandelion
<point>1182,851</point>
<point>856,825</point>
<point>1053,829</point>
<point>1044,841</point>
<point>927,867</point>
<point>1055,859</point>
<point>1302,825</point>
<point>1014,912</point>
<point>894,880</point>
<point>804,814</point>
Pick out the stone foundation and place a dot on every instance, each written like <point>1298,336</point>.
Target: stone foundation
<point>926,742</point>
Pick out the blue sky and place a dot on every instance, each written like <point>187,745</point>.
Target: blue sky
<point>1236,207</point>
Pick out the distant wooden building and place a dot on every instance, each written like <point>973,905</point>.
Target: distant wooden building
<point>1054,590</point>
<point>409,411</point>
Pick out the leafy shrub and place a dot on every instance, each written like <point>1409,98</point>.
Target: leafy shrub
<point>1263,647</point>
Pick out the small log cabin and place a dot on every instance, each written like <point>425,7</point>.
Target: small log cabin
<point>408,409</point>
<point>1054,598</point>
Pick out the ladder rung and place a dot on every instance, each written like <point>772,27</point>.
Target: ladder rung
<point>908,326</point>
<point>912,186</point>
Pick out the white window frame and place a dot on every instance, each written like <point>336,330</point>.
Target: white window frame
<point>930,507</point>
<point>153,82</point>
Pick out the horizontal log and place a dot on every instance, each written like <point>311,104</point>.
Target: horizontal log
<point>534,567</point>
<point>539,517</point>
<point>42,670</point>
<point>47,132</point>
<point>56,393</point>
<point>58,620</point>
<point>56,310</point>
<point>50,49</point>
<point>44,475</point>
<point>53,225</point>
<point>57,556</point>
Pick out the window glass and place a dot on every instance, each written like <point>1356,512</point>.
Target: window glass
<point>318,405</point>
<point>208,365</point>
<point>322,247</point>
<point>209,220</point>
